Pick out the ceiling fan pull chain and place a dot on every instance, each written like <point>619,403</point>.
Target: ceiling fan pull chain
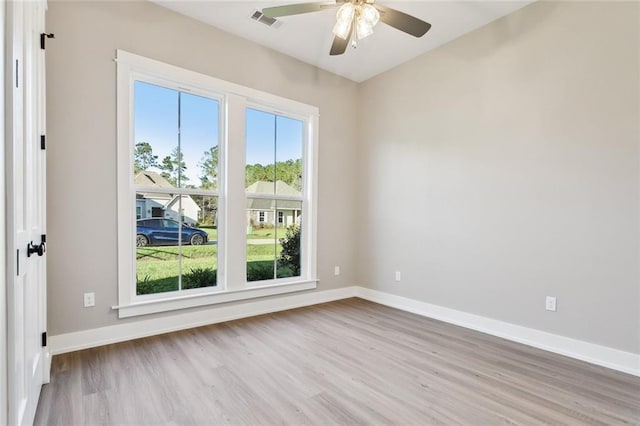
<point>354,37</point>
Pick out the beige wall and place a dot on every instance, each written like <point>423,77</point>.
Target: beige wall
<point>503,167</point>
<point>81,173</point>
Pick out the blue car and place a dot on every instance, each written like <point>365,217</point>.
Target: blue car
<point>158,231</point>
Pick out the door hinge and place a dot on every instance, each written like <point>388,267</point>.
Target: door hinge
<point>18,262</point>
<point>44,339</point>
<point>43,238</point>
<point>43,142</point>
<point>44,37</point>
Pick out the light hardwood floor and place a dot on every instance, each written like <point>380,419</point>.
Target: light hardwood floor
<point>345,362</point>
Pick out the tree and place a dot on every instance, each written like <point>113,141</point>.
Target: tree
<point>143,157</point>
<point>290,254</point>
<point>257,172</point>
<point>290,172</point>
<point>173,168</point>
<point>167,170</point>
<point>209,168</point>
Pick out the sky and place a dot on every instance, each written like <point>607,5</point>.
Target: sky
<point>156,116</point>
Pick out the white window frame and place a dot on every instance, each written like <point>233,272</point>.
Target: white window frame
<point>234,101</point>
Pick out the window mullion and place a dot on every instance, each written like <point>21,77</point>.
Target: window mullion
<point>235,247</point>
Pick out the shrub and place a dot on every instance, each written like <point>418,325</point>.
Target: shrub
<point>290,254</point>
<point>260,270</point>
<point>148,286</point>
<point>284,272</point>
<point>144,285</point>
<point>199,277</point>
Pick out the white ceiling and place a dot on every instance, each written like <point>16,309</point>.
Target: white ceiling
<point>308,37</point>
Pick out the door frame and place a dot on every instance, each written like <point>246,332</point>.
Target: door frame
<point>3,221</point>
<point>8,36</point>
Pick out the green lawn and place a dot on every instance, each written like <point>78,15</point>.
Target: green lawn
<point>256,234</point>
<point>212,231</point>
<point>157,267</point>
<point>265,233</point>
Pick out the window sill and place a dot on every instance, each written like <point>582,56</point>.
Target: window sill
<point>222,296</point>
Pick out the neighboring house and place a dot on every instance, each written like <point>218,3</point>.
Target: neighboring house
<point>161,204</point>
<point>264,212</point>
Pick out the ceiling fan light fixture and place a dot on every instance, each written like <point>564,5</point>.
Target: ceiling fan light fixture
<point>345,12</point>
<point>344,19</point>
<point>363,29</point>
<point>341,29</point>
<point>369,14</point>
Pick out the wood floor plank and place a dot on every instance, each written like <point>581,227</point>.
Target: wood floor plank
<point>345,362</point>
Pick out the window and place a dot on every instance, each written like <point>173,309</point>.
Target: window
<point>175,157</point>
<point>273,177</point>
<point>228,175</point>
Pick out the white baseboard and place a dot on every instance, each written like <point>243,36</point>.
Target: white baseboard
<point>133,330</point>
<point>596,354</point>
<point>615,359</point>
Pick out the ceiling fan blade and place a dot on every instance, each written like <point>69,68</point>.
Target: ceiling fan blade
<point>296,9</point>
<point>339,45</point>
<point>403,22</point>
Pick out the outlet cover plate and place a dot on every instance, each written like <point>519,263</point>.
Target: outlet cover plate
<point>89,300</point>
<point>550,304</point>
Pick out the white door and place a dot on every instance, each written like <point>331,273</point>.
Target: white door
<point>27,358</point>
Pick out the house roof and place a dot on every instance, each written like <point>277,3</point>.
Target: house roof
<point>153,179</point>
<point>281,188</point>
<point>147,178</point>
<point>185,198</point>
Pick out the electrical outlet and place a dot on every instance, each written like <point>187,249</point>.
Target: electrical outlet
<point>89,300</point>
<point>336,270</point>
<point>550,304</point>
<point>398,276</point>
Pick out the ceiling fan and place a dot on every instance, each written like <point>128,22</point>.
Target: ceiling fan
<point>355,20</point>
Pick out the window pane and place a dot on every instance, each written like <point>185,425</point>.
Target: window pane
<point>273,239</point>
<point>200,255</point>
<point>260,151</point>
<point>176,138</point>
<point>274,154</point>
<point>199,133</point>
<point>274,148</point>
<point>288,238</point>
<point>155,134</point>
<point>173,254</point>
<point>158,248</point>
<point>288,148</point>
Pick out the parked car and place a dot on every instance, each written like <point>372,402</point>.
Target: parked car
<point>158,231</point>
